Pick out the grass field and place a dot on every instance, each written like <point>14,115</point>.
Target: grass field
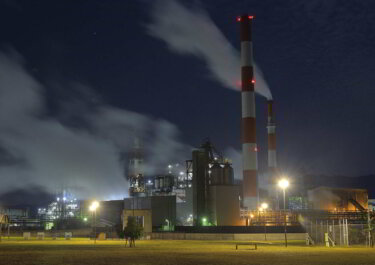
<point>83,251</point>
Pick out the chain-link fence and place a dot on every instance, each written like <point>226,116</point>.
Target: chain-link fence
<point>339,232</point>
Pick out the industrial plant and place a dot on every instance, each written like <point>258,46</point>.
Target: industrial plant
<point>201,193</point>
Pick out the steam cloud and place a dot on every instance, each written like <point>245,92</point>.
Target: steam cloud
<point>193,32</point>
<point>38,150</point>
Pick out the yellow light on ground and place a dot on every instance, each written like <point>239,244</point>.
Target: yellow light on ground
<point>283,183</point>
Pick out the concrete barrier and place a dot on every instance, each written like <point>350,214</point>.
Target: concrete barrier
<point>229,237</point>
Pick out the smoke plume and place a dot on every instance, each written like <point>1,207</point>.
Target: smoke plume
<point>38,149</point>
<point>191,31</point>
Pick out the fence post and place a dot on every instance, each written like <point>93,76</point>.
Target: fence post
<point>340,232</point>
<point>369,227</point>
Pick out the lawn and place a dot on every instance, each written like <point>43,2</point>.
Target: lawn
<point>83,251</point>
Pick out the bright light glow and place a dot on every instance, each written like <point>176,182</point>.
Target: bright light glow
<point>264,205</point>
<point>58,199</point>
<point>204,219</point>
<point>253,81</point>
<point>251,17</point>
<point>94,205</point>
<point>209,171</point>
<point>283,183</point>
<point>149,182</point>
<point>238,19</point>
<point>251,216</point>
<point>64,199</point>
<point>169,166</point>
<point>181,173</point>
<point>85,219</point>
<point>255,149</point>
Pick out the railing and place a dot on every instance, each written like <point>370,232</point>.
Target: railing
<point>269,218</point>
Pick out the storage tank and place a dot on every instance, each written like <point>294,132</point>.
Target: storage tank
<point>228,175</point>
<point>157,183</point>
<point>161,182</point>
<point>216,174</point>
<point>168,181</point>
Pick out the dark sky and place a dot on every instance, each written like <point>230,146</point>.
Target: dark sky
<point>318,58</point>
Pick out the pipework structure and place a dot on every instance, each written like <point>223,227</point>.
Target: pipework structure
<point>249,146</point>
<point>135,170</point>
<point>215,196</point>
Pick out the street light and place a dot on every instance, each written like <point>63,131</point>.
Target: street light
<point>263,207</point>
<point>284,184</point>
<point>94,205</point>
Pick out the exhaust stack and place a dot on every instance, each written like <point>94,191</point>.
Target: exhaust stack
<point>271,130</point>
<point>249,146</point>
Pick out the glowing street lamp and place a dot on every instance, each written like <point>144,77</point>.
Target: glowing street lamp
<point>94,205</point>
<point>263,207</point>
<point>284,184</point>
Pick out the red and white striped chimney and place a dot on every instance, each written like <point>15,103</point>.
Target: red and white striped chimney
<point>271,130</point>
<point>249,146</point>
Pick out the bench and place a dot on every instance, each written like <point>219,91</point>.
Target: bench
<point>247,244</point>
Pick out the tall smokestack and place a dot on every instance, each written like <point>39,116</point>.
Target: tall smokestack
<point>271,130</point>
<point>249,146</point>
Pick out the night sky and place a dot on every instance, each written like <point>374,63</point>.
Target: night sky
<point>318,58</point>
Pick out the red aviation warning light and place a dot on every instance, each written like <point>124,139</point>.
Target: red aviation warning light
<point>239,19</point>
<point>253,81</point>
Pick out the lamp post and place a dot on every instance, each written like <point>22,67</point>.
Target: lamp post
<point>284,184</point>
<point>94,205</point>
<point>263,207</point>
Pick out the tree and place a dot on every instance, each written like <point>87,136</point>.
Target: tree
<point>132,231</point>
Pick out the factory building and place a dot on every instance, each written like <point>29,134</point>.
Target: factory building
<point>216,199</point>
<point>151,212</point>
<point>338,199</point>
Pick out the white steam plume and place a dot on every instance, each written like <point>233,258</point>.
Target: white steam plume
<point>37,150</point>
<point>191,31</point>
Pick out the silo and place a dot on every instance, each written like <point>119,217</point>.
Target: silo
<point>228,174</point>
<point>216,174</point>
<point>161,182</point>
<point>157,183</point>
